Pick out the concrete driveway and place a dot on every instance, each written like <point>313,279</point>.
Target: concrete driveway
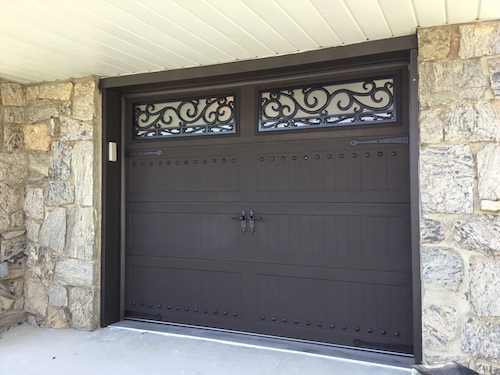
<point>128,350</point>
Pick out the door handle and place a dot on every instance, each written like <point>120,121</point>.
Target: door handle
<point>243,221</point>
<point>251,221</point>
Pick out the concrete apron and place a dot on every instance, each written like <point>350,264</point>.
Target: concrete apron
<point>129,349</point>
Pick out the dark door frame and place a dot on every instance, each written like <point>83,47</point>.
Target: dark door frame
<point>115,89</point>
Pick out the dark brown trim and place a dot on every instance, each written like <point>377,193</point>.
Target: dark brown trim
<point>327,57</point>
<point>111,207</point>
<point>415,206</point>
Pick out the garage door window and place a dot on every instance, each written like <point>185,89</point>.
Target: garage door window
<point>189,117</point>
<point>361,102</point>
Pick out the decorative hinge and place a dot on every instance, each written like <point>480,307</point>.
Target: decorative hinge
<point>400,140</point>
<point>131,154</point>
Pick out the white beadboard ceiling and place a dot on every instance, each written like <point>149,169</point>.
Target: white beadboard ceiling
<point>48,40</point>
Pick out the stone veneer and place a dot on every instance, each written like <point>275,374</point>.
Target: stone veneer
<point>459,93</point>
<point>49,203</point>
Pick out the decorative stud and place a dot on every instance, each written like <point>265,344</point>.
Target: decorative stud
<point>332,326</point>
<point>142,303</point>
<point>367,155</point>
<point>177,162</point>
<point>151,163</point>
<point>380,153</point>
<point>142,163</point>
<point>159,163</point>
<point>273,318</point>
<point>133,303</point>
<point>296,321</point>
<point>215,312</point>
<point>235,314</point>
<point>233,160</point>
<point>370,330</point>
<point>329,156</point>
<point>214,160</point>
<point>134,163</point>
<point>168,162</point>
<point>320,325</point>
<point>283,158</point>
<point>261,158</point>
<point>294,157</point>
<point>186,162</point>
<point>223,160</point>
<point>344,327</point>
<point>316,157</point>
<point>354,155</point>
<point>285,320</point>
<point>308,323</point>
<point>205,311</point>
<point>306,157</point>
<point>225,312</point>
<point>341,156</point>
<point>150,305</point>
<point>186,308</point>
<point>168,307</point>
<point>393,153</point>
<point>159,306</point>
<point>271,158</point>
<point>356,329</point>
<point>384,332</point>
<point>178,307</point>
<point>397,334</point>
<point>205,161</point>
<point>195,161</point>
<point>195,309</point>
<point>262,317</point>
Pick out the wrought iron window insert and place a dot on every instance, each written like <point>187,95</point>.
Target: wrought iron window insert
<point>360,102</point>
<point>190,117</point>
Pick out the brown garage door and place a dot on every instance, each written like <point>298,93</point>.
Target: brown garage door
<point>278,208</point>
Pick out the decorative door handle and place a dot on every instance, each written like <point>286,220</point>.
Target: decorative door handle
<point>243,221</point>
<point>251,221</point>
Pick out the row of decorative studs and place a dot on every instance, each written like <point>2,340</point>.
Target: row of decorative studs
<point>332,326</point>
<point>329,156</point>
<point>177,162</point>
<point>215,312</point>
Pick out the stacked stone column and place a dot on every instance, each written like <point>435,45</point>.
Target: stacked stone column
<point>57,139</point>
<point>459,93</point>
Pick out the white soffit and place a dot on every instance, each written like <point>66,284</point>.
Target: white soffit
<point>47,40</point>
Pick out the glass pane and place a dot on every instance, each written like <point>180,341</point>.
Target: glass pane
<point>201,116</point>
<point>354,103</point>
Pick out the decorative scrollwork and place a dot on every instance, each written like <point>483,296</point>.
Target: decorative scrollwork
<point>355,103</point>
<point>201,116</point>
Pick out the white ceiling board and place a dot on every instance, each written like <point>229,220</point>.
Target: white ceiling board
<point>226,26</point>
<point>194,35</point>
<point>340,20</point>
<point>282,23</point>
<point>461,10</point>
<point>253,25</point>
<point>399,15</point>
<point>489,9</point>
<point>208,30</point>
<point>430,12</point>
<point>370,18</point>
<point>20,23</point>
<point>140,33</point>
<point>44,40</point>
<point>311,21</point>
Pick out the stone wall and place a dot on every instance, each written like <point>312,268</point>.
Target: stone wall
<point>50,202</point>
<point>459,93</point>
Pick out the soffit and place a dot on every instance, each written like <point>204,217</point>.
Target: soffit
<point>48,40</point>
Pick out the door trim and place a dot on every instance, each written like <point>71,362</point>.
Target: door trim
<point>114,90</point>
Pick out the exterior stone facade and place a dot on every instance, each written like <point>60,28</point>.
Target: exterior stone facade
<point>459,83</point>
<point>49,214</point>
